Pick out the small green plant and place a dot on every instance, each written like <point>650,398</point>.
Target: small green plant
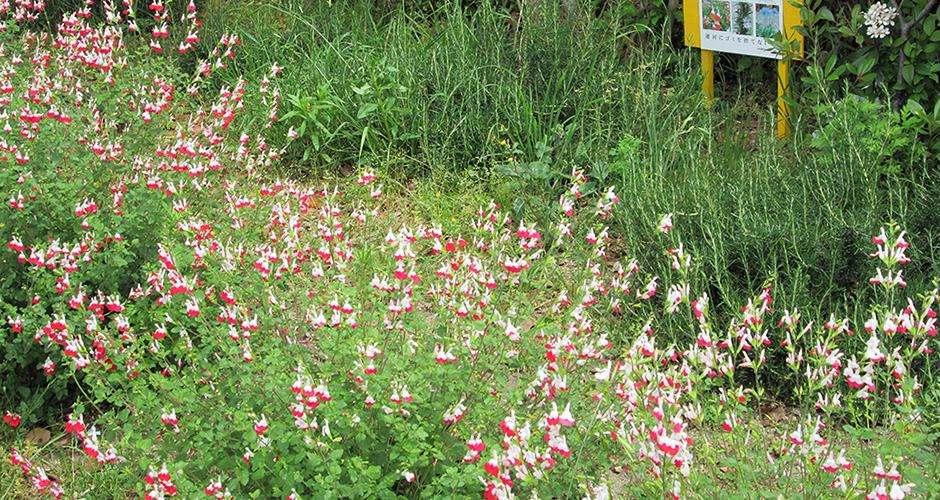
<point>315,126</point>
<point>872,135</point>
<point>538,184</point>
<point>382,119</point>
<point>625,156</point>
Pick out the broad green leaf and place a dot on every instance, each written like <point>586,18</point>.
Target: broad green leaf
<point>908,73</point>
<point>145,444</point>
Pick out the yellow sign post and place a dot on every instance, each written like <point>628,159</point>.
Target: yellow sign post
<point>742,27</point>
<point>783,90</point>
<point>708,71</point>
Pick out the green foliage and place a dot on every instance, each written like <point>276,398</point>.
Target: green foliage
<point>925,122</point>
<point>841,40</point>
<point>431,89</point>
<point>875,138</point>
<point>651,22</point>
<point>274,339</point>
<point>318,126</point>
<point>539,182</point>
<point>382,121</point>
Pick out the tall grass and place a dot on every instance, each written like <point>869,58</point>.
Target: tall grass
<point>458,76</point>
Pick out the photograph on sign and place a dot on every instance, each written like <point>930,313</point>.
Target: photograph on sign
<point>743,18</point>
<point>740,26</point>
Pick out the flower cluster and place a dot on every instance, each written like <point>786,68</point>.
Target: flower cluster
<point>894,490</point>
<point>161,484</point>
<point>12,418</point>
<point>38,476</point>
<point>878,18</point>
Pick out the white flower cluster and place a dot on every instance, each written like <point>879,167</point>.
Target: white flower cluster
<point>878,18</point>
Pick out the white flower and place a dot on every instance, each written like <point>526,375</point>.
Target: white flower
<point>877,31</point>
<point>666,223</point>
<point>878,18</point>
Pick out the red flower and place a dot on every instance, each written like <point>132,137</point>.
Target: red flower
<point>492,467</point>
<point>12,418</point>
<point>261,425</point>
<point>476,444</point>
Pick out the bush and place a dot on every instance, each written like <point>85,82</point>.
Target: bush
<point>89,124</point>
<point>876,47</point>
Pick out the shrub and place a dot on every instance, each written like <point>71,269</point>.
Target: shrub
<point>879,46</point>
<point>88,125</point>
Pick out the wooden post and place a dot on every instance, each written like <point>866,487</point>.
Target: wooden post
<point>783,90</point>
<point>708,71</point>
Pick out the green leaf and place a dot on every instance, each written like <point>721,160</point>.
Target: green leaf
<point>916,438</point>
<point>831,70</point>
<point>809,17</point>
<point>541,150</point>
<point>866,65</point>
<point>366,109</point>
<point>362,90</point>
<point>539,170</point>
<point>908,73</point>
<point>145,444</point>
<point>518,205</point>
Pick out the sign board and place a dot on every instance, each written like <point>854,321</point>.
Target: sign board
<point>742,27</point>
<point>739,26</point>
